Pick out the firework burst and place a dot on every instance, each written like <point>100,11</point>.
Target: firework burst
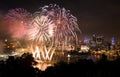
<point>17,19</point>
<point>41,29</point>
<point>65,23</point>
<point>18,14</point>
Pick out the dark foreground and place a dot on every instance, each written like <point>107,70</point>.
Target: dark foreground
<point>22,67</point>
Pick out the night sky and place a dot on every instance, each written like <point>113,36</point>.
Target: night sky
<point>101,17</point>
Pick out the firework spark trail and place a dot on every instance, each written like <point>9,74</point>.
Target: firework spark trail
<point>43,53</point>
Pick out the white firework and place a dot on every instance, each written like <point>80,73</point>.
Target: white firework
<point>41,30</point>
<point>66,27</point>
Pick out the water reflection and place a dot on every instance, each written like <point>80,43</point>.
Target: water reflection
<point>42,66</point>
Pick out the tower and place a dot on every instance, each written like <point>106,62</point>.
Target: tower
<point>113,41</point>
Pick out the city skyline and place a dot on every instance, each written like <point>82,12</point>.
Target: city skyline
<point>94,17</point>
